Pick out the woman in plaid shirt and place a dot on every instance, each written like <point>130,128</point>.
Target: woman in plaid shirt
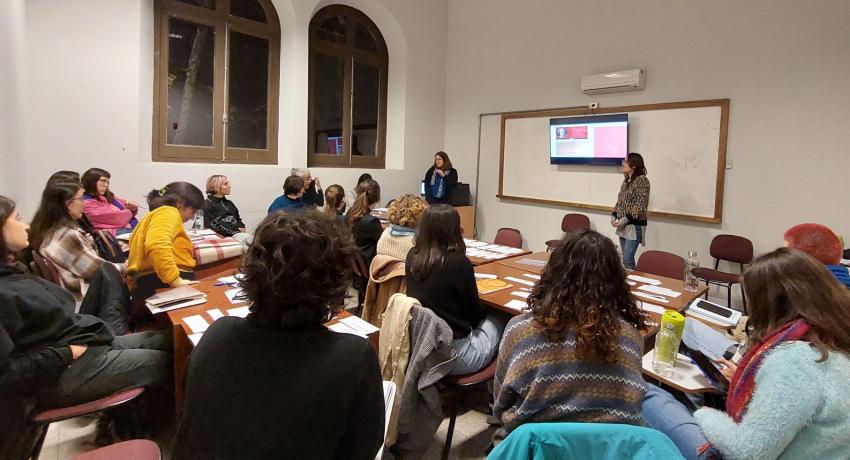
<point>56,235</point>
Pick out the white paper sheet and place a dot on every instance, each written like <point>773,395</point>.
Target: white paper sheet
<point>241,312</point>
<point>195,338</point>
<point>517,280</point>
<point>196,323</point>
<point>660,290</point>
<point>485,276</point>
<point>533,262</point>
<point>231,280</point>
<point>518,305</point>
<point>359,325</point>
<point>345,329</point>
<point>641,279</point>
<point>532,276</point>
<point>522,294</point>
<point>651,308</point>
<point>215,314</point>
<point>652,297</point>
<point>698,336</point>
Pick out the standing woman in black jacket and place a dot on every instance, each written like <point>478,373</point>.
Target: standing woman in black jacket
<point>220,214</point>
<point>440,180</point>
<point>440,277</point>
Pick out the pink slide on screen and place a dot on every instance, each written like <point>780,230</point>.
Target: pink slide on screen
<point>609,141</point>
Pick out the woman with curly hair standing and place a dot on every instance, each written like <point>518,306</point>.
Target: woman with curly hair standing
<point>576,357</point>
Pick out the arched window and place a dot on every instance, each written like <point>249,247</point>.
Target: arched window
<point>216,77</point>
<point>348,90</point>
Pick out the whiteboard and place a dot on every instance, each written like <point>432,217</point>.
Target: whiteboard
<point>683,145</point>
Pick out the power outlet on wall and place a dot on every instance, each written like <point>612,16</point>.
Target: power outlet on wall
<point>728,163</point>
<point>592,105</point>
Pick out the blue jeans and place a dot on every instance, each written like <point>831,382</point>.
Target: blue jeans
<point>664,413</point>
<point>630,247</point>
<point>479,348</point>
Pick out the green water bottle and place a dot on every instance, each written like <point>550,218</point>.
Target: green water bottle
<point>667,343</point>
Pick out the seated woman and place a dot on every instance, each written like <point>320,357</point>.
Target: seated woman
<point>57,236</point>
<point>404,214</point>
<point>220,214</point>
<point>576,357</point>
<point>161,254</point>
<point>105,210</point>
<point>821,243</point>
<point>53,357</point>
<point>365,227</point>
<point>439,275</point>
<point>335,202</point>
<point>278,384</point>
<point>354,191</point>
<point>788,395</point>
<point>293,189</point>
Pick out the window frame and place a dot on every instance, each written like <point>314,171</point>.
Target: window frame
<point>350,54</point>
<point>222,23</point>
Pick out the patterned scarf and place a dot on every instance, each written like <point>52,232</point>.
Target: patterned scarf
<point>437,185</point>
<point>743,382</point>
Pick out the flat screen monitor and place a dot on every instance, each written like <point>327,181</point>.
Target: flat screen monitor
<point>593,140</point>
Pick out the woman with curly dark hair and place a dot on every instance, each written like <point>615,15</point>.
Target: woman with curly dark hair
<point>576,357</point>
<point>278,384</point>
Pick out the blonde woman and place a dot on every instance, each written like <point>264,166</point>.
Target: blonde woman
<point>404,214</point>
<point>220,214</point>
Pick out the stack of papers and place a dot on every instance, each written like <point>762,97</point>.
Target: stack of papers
<point>698,336</point>
<point>533,262</point>
<point>641,279</point>
<point>172,299</point>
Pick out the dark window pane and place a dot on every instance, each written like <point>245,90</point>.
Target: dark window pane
<point>204,3</point>
<point>248,9</point>
<point>327,75</point>
<point>365,123</point>
<point>332,30</point>
<point>190,83</point>
<point>247,95</point>
<point>364,40</point>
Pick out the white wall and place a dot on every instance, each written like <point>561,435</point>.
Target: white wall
<point>11,124</point>
<point>89,67</point>
<point>785,67</point>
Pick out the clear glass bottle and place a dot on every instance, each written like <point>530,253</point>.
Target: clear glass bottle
<point>199,220</point>
<point>692,272</point>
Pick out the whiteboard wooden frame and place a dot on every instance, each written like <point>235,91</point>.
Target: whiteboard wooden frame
<point>723,104</point>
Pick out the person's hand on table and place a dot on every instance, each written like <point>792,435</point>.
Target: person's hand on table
<point>727,368</point>
<point>186,282</point>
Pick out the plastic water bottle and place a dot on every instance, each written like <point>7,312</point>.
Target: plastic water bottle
<point>667,343</point>
<point>692,272</point>
<point>199,220</point>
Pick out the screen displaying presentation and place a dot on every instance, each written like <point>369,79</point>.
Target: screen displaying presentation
<point>594,140</point>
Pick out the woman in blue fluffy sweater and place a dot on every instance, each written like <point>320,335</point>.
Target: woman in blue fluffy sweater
<point>788,395</point>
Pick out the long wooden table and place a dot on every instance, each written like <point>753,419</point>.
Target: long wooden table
<point>216,299</point>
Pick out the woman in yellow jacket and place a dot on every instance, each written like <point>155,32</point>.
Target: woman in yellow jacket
<point>160,251</point>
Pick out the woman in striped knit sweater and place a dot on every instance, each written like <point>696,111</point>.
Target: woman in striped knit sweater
<point>576,357</point>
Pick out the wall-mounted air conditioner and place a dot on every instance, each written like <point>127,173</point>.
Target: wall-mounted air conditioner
<point>613,82</point>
